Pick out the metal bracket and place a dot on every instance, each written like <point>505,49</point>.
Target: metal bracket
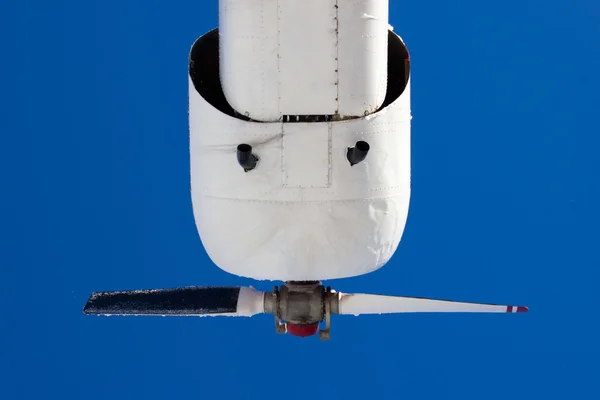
<point>325,334</point>
<point>279,326</point>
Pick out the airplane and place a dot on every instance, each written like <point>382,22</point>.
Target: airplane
<point>300,162</point>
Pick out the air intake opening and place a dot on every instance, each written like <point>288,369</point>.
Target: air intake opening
<point>204,72</point>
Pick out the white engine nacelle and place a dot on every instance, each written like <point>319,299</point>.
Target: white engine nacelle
<point>303,212</point>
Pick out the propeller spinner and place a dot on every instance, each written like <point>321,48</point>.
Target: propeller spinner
<point>298,307</point>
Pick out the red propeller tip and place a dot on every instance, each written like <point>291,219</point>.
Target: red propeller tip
<point>515,309</point>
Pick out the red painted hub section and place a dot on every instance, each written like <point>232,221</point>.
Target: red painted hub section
<point>302,330</point>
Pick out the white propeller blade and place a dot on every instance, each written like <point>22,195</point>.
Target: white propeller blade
<point>357,304</point>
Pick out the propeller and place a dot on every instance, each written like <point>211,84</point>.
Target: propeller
<point>357,304</point>
<point>298,307</point>
<point>188,301</point>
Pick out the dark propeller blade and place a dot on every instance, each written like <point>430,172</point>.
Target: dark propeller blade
<point>234,301</point>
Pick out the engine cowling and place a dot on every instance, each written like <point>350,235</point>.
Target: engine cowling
<point>305,210</point>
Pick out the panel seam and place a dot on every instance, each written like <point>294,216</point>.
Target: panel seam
<point>337,58</point>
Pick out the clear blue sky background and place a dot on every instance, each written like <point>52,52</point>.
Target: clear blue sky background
<point>94,195</point>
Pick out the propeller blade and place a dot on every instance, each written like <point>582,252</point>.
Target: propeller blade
<point>357,304</point>
<point>196,301</point>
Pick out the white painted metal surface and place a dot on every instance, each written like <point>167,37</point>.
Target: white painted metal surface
<point>291,218</point>
<point>362,55</point>
<point>250,302</point>
<point>359,304</point>
<point>310,57</point>
<point>306,155</point>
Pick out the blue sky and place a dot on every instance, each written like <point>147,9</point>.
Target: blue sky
<point>95,196</point>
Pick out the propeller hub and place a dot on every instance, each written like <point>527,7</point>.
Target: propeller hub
<point>299,303</point>
<point>302,330</point>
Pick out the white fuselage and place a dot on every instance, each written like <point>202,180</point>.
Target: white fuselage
<point>304,213</point>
